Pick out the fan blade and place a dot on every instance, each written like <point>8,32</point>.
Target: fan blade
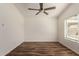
<point>33,9</point>
<point>50,8</point>
<point>46,13</point>
<point>38,12</point>
<point>41,6</point>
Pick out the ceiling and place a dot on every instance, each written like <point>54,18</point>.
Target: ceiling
<point>23,8</point>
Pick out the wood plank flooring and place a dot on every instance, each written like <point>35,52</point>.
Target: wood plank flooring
<point>41,49</point>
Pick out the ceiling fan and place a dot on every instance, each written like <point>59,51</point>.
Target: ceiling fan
<point>42,9</point>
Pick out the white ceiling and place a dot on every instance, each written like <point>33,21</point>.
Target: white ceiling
<point>23,8</point>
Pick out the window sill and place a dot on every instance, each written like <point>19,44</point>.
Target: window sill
<point>72,39</point>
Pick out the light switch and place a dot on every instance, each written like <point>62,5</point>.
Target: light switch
<point>2,25</point>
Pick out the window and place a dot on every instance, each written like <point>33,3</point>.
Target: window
<point>71,28</point>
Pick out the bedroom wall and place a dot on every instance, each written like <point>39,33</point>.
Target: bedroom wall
<point>70,11</point>
<point>11,28</point>
<point>40,29</point>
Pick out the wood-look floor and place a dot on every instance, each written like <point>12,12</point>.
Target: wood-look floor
<point>41,49</point>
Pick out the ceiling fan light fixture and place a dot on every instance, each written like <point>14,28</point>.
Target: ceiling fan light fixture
<point>41,9</point>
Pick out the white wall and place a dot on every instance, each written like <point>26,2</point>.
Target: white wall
<point>40,28</point>
<point>71,10</point>
<point>12,33</point>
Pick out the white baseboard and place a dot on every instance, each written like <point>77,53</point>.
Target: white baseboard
<point>40,41</point>
<point>9,50</point>
<point>69,47</point>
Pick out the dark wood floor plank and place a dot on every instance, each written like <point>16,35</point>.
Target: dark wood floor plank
<point>41,49</point>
